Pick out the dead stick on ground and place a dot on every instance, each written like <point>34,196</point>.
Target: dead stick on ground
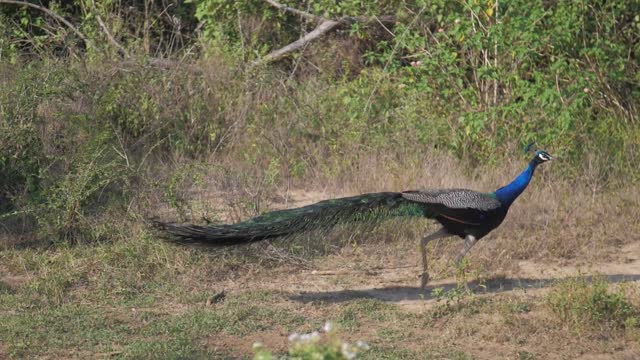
<point>346,272</point>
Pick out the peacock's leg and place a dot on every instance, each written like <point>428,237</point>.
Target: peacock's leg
<point>423,249</point>
<point>469,241</point>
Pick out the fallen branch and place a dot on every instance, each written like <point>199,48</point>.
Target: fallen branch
<point>319,31</point>
<point>325,26</point>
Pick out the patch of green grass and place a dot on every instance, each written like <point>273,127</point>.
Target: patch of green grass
<point>197,322</point>
<point>348,319</point>
<point>467,305</point>
<point>257,311</point>
<point>137,271</point>
<point>169,348</point>
<point>394,352</point>
<point>398,351</point>
<point>366,309</point>
<point>450,354</point>
<point>525,355</point>
<point>246,320</point>
<point>234,316</point>
<point>40,315</point>
<point>395,334</point>
<point>5,288</point>
<point>375,309</point>
<point>30,331</point>
<point>68,328</point>
<point>582,304</point>
<point>520,307</point>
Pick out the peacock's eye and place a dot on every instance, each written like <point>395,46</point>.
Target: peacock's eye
<point>543,156</point>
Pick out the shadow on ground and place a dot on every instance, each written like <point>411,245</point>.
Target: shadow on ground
<point>406,293</point>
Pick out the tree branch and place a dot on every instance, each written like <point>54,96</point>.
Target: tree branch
<point>325,26</point>
<point>383,20</point>
<point>319,31</point>
<point>53,15</point>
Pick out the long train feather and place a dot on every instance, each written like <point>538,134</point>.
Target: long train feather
<point>324,214</point>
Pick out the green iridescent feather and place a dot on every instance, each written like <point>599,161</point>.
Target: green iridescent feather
<point>322,215</point>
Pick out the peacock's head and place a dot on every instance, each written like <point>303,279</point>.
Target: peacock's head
<point>542,156</point>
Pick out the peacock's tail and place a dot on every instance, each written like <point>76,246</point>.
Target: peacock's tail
<point>321,215</point>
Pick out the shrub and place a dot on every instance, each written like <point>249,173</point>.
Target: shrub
<point>59,167</point>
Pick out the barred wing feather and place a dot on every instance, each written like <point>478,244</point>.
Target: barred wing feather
<point>462,205</point>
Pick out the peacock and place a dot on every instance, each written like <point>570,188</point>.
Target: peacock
<point>465,213</point>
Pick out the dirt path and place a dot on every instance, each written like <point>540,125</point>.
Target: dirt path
<point>399,285</point>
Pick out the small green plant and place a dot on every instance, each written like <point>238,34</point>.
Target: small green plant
<point>583,304</point>
<point>451,296</point>
<point>525,355</point>
<point>462,290</point>
<point>314,346</point>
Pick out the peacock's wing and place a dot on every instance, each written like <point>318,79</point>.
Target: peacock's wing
<point>461,205</point>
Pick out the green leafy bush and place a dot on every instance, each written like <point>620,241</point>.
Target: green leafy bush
<point>96,181</point>
<point>476,77</point>
<point>23,153</point>
<point>57,167</point>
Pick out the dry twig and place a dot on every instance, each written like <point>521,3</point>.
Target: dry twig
<point>107,33</point>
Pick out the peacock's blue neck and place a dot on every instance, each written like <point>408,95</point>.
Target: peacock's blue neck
<point>508,194</point>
